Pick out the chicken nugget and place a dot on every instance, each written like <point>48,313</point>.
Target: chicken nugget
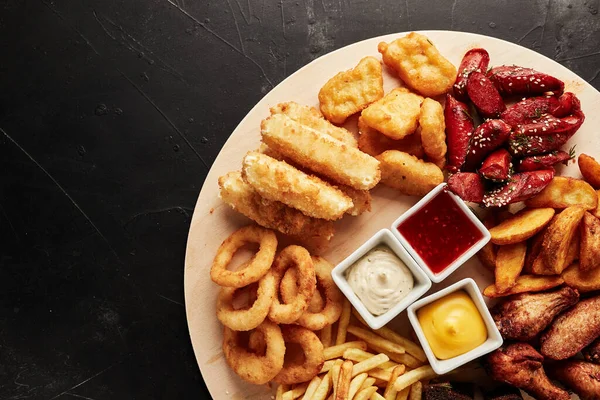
<point>321,153</point>
<point>419,64</point>
<point>408,174</point>
<point>396,115</point>
<point>312,118</point>
<point>350,91</point>
<point>433,130</point>
<point>272,214</point>
<point>374,143</point>
<point>278,181</point>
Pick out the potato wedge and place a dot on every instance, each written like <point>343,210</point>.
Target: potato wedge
<point>584,281</point>
<point>573,253</point>
<point>589,252</point>
<point>487,254</point>
<point>590,169</point>
<point>564,192</point>
<point>557,240</point>
<point>526,283</point>
<point>521,226</point>
<point>533,251</point>
<point>596,211</point>
<point>408,174</point>
<point>509,264</point>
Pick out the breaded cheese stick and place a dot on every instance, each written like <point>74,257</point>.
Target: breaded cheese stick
<point>320,152</point>
<point>312,118</point>
<point>272,214</point>
<point>409,174</point>
<point>278,181</point>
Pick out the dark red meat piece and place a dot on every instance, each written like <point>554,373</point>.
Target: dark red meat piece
<point>544,161</point>
<point>467,185</point>
<point>459,129</point>
<point>514,80</point>
<point>520,187</point>
<point>474,60</point>
<point>487,137</point>
<point>496,166</point>
<point>484,96</point>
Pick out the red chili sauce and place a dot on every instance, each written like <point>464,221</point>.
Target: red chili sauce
<point>440,232</point>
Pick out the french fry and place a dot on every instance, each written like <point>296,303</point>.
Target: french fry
<point>381,375</point>
<point>338,350</point>
<point>557,240</point>
<point>526,283</point>
<point>390,391</point>
<point>335,375</point>
<point>565,192</point>
<point>343,383</point>
<point>403,394</point>
<point>327,365</point>
<point>326,336</point>
<point>296,392</point>
<point>281,389</point>
<point>358,355</point>
<point>356,383</point>
<point>509,263</point>
<point>521,226</point>
<point>590,169</point>
<point>311,388</point>
<point>366,393</point>
<point>343,322</point>
<point>411,347</point>
<point>323,388</point>
<point>584,281</point>
<point>407,379</point>
<point>589,253</point>
<point>416,391</point>
<point>373,339</point>
<point>369,364</point>
<point>370,381</point>
<point>376,396</point>
<point>405,358</point>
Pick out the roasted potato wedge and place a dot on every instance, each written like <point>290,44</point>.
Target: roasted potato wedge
<point>584,281</point>
<point>408,174</point>
<point>557,240</point>
<point>533,251</point>
<point>521,226</point>
<point>573,253</point>
<point>526,283</point>
<point>596,211</point>
<point>590,169</point>
<point>589,252</point>
<point>564,192</point>
<point>509,264</point>
<point>487,254</point>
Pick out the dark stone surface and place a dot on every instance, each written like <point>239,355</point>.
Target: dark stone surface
<point>110,114</point>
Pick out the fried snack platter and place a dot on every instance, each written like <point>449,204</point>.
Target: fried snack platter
<point>213,221</point>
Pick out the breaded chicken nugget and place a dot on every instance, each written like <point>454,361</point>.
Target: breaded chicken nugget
<point>271,214</point>
<point>433,130</point>
<point>278,181</point>
<point>350,91</point>
<point>312,118</point>
<point>396,115</point>
<point>374,143</point>
<point>419,64</point>
<point>409,174</point>
<point>320,153</point>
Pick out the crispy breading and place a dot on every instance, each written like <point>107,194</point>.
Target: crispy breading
<point>278,181</point>
<point>350,91</point>
<point>573,330</point>
<point>273,214</point>
<point>374,143</point>
<point>419,64</point>
<point>320,153</point>
<point>311,117</point>
<point>433,130</point>
<point>580,376</point>
<point>408,174</point>
<point>396,115</point>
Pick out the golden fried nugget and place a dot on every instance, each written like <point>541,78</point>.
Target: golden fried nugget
<point>311,117</point>
<point>320,153</point>
<point>433,130</point>
<point>272,214</point>
<point>419,64</point>
<point>408,174</point>
<point>396,115</point>
<point>349,92</point>
<point>278,181</point>
<point>374,143</point>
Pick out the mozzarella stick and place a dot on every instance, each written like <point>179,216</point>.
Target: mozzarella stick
<point>278,181</point>
<point>320,152</point>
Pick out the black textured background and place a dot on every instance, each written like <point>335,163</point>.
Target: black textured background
<point>111,113</point>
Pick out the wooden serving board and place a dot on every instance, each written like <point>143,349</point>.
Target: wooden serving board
<point>213,220</point>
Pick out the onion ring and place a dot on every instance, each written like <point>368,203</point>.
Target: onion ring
<point>332,310</point>
<point>246,319</point>
<point>289,289</point>
<point>299,258</point>
<point>253,368</point>
<point>256,268</point>
<point>313,351</point>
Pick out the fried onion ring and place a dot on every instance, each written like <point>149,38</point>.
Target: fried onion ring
<point>251,367</point>
<point>313,352</point>
<point>256,268</point>
<point>333,297</point>
<point>299,258</point>
<point>289,286</point>
<point>246,319</point>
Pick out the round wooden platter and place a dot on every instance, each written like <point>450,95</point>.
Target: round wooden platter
<point>213,220</point>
